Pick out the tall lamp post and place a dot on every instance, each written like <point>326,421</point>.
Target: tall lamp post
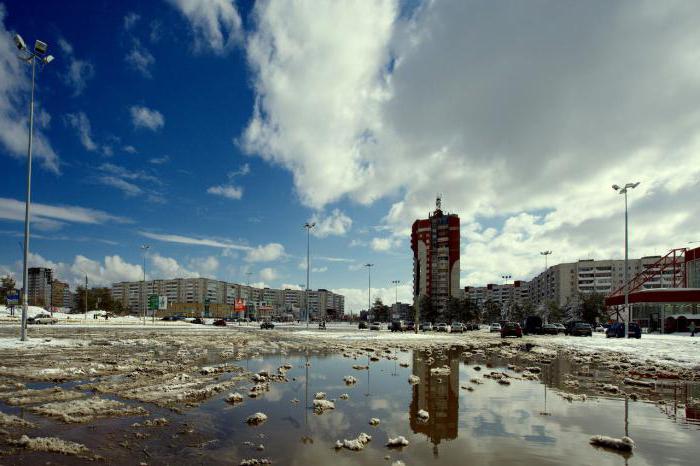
<point>29,56</point>
<point>623,190</point>
<point>369,286</point>
<point>308,227</point>
<point>144,248</point>
<point>396,293</point>
<point>546,279</point>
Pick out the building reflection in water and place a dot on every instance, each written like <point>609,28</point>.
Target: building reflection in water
<point>438,395</point>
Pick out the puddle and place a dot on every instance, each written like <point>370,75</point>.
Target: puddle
<point>523,422</point>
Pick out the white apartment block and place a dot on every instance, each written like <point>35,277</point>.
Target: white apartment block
<point>322,303</point>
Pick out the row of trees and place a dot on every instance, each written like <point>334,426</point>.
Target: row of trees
<point>589,307</point>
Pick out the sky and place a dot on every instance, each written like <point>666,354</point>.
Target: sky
<point>212,130</point>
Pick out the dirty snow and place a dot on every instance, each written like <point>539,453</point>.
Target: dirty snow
<point>51,445</point>
<point>621,444</point>
<point>79,411</point>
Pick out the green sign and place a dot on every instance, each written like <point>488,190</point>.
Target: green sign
<point>152,302</point>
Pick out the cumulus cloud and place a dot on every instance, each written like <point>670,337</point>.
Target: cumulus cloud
<point>15,87</point>
<point>522,122</point>
<point>130,19</point>
<point>268,274</point>
<point>110,270</point>
<point>216,24</point>
<point>337,223</point>
<point>356,298</point>
<point>140,59</point>
<point>228,191</point>
<point>267,253</point>
<point>80,122</point>
<point>143,117</point>
<point>384,244</point>
<point>78,72</point>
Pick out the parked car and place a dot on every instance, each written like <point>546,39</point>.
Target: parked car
<point>582,329</point>
<point>617,330</point>
<point>442,327</point>
<point>549,329</point>
<point>457,327</point>
<point>40,319</point>
<point>169,318</point>
<point>397,326</point>
<point>220,323</point>
<point>322,325</point>
<point>511,329</point>
<point>362,324</point>
<point>426,326</point>
<point>532,325</point>
<point>600,329</point>
<point>560,328</point>
<point>375,326</point>
<point>197,320</point>
<point>410,326</point>
<point>472,326</point>
<point>267,325</point>
<point>495,327</point>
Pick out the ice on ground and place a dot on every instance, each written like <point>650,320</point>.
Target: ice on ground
<point>320,395</point>
<point>399,441</point>
<point>374,421</point>
<point>8,420</point>
<point>30,396</point>
<point>79,411</point>
<point>321,406</point>
<point>255,461</point>
<point>423,415</point>
<point>639,383</point>
<point>51,445</point>
<point>398,463</point>
<point>413,379</point>
<point>623,444</point>
<point>234,398</point>
<point>355,444</point>
<point>573,397</point>
<point>158,422</point>
<point>256,419</point>
<point>344,396</point>
<point>349,380</point>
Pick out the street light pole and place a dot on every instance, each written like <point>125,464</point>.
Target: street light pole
<point>396,290</point>
<point>546,281</point>
<point>308,227</point>
<point>369,286</point>
<point>628,316</point>
<point>29,57</point>
<point>145,249</point>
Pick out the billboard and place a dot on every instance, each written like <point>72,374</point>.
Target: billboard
<point>239,305</point>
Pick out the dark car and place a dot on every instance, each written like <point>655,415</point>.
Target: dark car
<point>322,325</point>
<point>267,325</point>
<point>511,329</point>
<point>397,326</point>
<point>549,329</point>
<point>617,330</point>
<point>220,323</point>
<point>197,320</point>
<point>457,327</point>
<point>579,329</point>
<point>169,318</point>
<point>410,326</point>
<point>532,325</point>
<point>362,325</point>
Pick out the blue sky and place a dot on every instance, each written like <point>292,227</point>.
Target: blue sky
<point>178,122</point>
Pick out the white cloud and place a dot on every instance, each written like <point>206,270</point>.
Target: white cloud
<point>216,24</point>
<point>205,266</point>
<point>335,224</point>
<point>130,20</point>
<point>129,189</point>
<point>50,216</point>
<point>129,149</point>
<point>179,239</point>
<point>268,274</point>
<point>465,99</point>
<point>143,117</point>
<point>15,87</point>
<point>160,160</point>
<point>79,72</point>
<point>319,269</point>
<point>168,267</point>
<point>384,244</point>
<point>228,191</point>
<point>140,59</point>
<point>356,298</point>
<point>267,253</point>
<point>81,123</point>
<point>287,286</point>
<point>111,270</point>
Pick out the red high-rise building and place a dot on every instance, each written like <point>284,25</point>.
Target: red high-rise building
<point>435,244</point>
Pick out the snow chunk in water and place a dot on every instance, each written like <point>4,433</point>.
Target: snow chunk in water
<point>399,441</point>
<point>349,380</point>
<point>86,410</point>
<point>374,421</point>
<point>51,445</point>
<point>444,370</point>
<point>234,398</point>
<point>256,419</point>
<point>320,395</point>
<point>322,405</point>
<point>355,444</point>
<point>619,444</point>
<point>413,379</point>
<point>8,420</point>
<point>423,415</point>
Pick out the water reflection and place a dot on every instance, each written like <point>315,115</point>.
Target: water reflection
<point>436,394</point>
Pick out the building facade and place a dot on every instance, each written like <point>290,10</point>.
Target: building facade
<point>435,245</point>
<point>201,296</point>
<point>61,295</point>
<point>39,286</point>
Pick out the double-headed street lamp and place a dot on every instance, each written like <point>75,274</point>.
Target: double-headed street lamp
<point>546,279</point>
<point>623,190</point>
<point>396,290</point>
<point>29,56</point>
<point>369,286</point>
<point>308,227</point>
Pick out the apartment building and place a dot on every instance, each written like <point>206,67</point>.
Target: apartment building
<point>61,295</point>
<point>202,294</point>
<point>39,286</point>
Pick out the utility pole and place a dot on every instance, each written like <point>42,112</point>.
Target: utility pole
<point>86,297</point>
<point>369,287</point>
<point>145,249</point>
<point>29,56</point>
<point>308,227</point>
<point>396,294</point>
<point>546,282</point>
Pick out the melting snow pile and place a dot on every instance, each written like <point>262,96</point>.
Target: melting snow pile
<point>321,406</point>
<point>51,444</point>
<point>87,410</point>
<point>320,395</point>
<point>444,370</point>
<point>256,419</point>
<point>355,444</point>
<point>413,379</point>
<point>344,396</point>
<point>374,421</point>
<point>572,397</point>
<point>234,398</point>
<point>349,380</point>
<point>399,441</point>
<point>8,420</point>
<point>423,415</point>
<point>255,461</point>
<point>619,444</point>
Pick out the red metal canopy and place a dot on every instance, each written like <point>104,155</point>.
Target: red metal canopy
<point>657,295</point>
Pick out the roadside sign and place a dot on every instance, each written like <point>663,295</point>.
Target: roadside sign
<point>239,305</point>
<point>12,299</point>
<point>152,302</point>
<point>162,303</point>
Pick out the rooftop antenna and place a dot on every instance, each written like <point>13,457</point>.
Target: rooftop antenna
<point>438,202</point>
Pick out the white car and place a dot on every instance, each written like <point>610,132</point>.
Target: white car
<point>495,327</point>
<point>600,329</point>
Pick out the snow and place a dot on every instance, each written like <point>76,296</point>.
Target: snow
<point>234,398</point>
<point>79,411</point>
<point>413,379</point>
<point>444,370</point>
<point>349,380</point>
<point>321,406</point>
<point>621,444</point>
<point>374,421</point>
<point>423,415</point>
<point>52,445</point>
<point>355,444</point>
<point>8,420</point>
<point>399,441</point>
<point>256,419</point>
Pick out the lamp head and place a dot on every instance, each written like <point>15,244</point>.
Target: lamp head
<point>615,187</point>
<point>40,47</point>
<point>19,42</point>
<point>48,59</point>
